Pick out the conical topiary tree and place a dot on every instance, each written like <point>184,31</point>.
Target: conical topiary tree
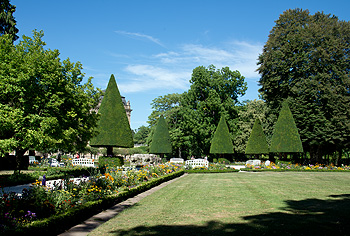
<point>286,138</point>
<point>257,143</point>
<point>161,143</point>
<point>222,141</point>
<point>113,126</point>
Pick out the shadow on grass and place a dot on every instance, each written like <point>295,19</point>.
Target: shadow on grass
<point>305,217</point>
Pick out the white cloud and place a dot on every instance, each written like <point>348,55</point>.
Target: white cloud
<point>172,69</point>
<point>238,55</point>
<point>140,36</point>
<point>148,77</point>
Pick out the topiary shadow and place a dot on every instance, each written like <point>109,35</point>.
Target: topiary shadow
<point>304,217</point>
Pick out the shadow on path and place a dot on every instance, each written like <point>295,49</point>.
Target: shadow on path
<point>304,217</point>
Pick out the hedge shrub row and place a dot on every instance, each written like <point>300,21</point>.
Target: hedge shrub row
<point>201,171</point>
<point>295,170</point>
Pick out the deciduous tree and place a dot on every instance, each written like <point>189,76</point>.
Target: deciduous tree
<point>306,59</point>
<point>43,103</point>
<point>213,93</point>
<point>141,135</point>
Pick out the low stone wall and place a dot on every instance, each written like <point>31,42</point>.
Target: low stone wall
<point>143,159</point>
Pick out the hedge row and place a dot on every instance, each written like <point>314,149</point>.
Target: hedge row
<point>295,170</point>
<point>201,171</point>
<point>57,224</point>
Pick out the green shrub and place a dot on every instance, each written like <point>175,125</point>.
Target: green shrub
<point>161,142</point>
<point>286,138</point>
<point>201,171</point>
<point>221,142</point>
<point>257,141</point>
<point>113,126</point>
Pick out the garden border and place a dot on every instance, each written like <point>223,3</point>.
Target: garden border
<point>202,171</point>
<point>291,170</point>
<point>57,224</point>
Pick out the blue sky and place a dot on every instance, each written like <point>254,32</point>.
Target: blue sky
<point>152,46</point>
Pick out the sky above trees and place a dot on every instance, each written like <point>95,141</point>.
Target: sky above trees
<point>152,46</point>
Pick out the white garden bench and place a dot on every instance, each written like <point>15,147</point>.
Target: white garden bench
<point>197,163</point>
<point>83,162</point>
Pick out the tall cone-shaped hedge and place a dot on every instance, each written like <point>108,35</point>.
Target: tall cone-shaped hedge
<point>286,138</point>
<point>113,126</point>
<point>221,142</point>
<point>161,143</point>
<point>257,143</point>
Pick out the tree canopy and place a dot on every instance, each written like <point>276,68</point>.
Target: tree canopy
<point>113,127</point>
<point>169,106</point>
<point>141,135</point>
<point>248,112</point>
<point>257,141</point>
<point>7,21</point>
<point>213,93</point>
<point>285,138</point>
<point>306,60</point>
<point>43,104</point>
<point>222,141</point>
<point>161,143</point>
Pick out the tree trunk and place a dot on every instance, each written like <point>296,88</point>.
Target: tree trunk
<point>109,151</point>
<point>338,157</point>
<point>19,158</point>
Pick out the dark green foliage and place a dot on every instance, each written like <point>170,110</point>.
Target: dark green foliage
<point>161,139</point>
<point>202,171</point>
<point>285,138</point>
<point>306,60</point>
<point>141,135</point>
<point>168,106</point>
<point>7,21</point>
<point>257,141</point>
<point>113,126</point>
<point>222,141</point>
<point>104,162</point>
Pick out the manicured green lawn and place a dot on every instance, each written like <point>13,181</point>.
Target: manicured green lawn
<point>269,203</point>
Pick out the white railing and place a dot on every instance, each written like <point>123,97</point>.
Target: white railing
<point>197,163</point>
<point>83,162</point>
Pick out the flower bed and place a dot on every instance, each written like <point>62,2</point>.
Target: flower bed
<point>295,167</point>
<point>41,209</point>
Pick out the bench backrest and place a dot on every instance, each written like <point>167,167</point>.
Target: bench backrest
<point>197,163</point>
<point>83,162</point>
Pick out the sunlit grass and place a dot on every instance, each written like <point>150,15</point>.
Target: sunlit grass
<point>239,202</point>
